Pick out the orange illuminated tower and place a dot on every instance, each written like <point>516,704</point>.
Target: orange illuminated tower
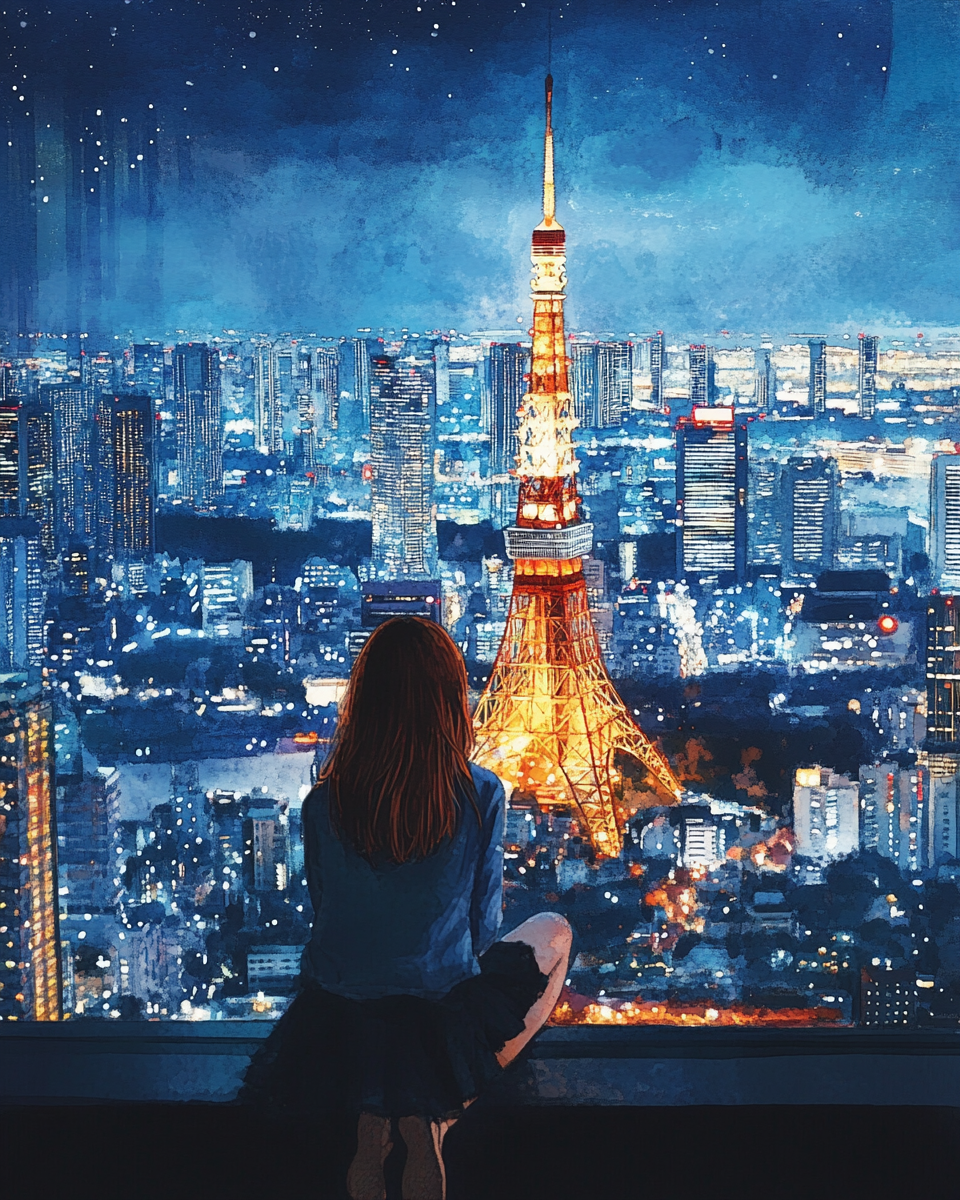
<point>550,721</point>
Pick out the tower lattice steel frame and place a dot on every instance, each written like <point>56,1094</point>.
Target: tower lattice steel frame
<point>550,721</point>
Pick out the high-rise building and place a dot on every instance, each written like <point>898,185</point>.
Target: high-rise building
<point>196,376</point>
<point>712,494</point>
<point>811,514</point>
<point>658,363</point>
<point>10,457</point>
<point>507,366</point>
<point>98,372</point>
<point>268,412</point>
<point>867,375</point>
<point>36,472</point>
<point>764,518</point>
<point>817,386</point>
<point>22,594</point>
<point>614,386</point>
<point>402,418</point>
<point>327,385</point>
<point>943,679</point>
<point>354,382</point>
<point>702,375</point>
<point>30,964</point>
<point>764,388</point>
<point>896,814</point>
<point>550,720</point>
<point>825,814</point>
<point>944,543</point>
<point>73,409</point>
<point>88,815</point>
<point>133,426</point>
<point>583,381</point>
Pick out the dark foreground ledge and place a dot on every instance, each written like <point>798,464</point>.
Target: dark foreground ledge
<point>90,1062</point>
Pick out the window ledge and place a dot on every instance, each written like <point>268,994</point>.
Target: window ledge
<point>162,1062</point>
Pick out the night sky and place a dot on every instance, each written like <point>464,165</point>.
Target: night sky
<point>325,166</point>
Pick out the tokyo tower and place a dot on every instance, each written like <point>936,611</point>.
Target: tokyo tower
<point>550,721</point>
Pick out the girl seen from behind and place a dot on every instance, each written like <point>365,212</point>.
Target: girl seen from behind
<point>408,1004</point>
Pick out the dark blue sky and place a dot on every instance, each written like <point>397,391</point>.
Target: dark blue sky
<point>784,165</point>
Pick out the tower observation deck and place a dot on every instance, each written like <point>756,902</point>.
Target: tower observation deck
<point>550,721</point>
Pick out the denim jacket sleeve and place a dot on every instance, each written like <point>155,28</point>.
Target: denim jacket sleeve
<point>311,850</point>
<point>486,904</point>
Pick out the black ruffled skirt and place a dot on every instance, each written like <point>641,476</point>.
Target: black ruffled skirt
<point>398,1055</point>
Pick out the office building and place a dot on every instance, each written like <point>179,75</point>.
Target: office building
<point>712,494</point>
<point>583,381</point>
<point>22,594</point>
<point>811,514</point>
<point>702,375</point>
<point>88,815</point>
<point>266,835</point>
<point>273,966</point>
<point>944,543</point>
<point>943,683</point>
<point>10,457</point>
<point>817,386</point>
<point>765,519</point>
<point>867,375</point>
<point>402,417</point>
<point>73,410</point>
<point>269,398</point>
<point>30,964</point>
<point>354,381</point>
<point>37,473</point>
<point>765,385</point>
<point>658,363</point>
<point>506,369</point>
<point>131,430</point>
<point>613,395</point>
<point>225,589</point>
<point>326,385</point>
<point>825,814</point>
<point>896,816</point>
<point>196,380</point>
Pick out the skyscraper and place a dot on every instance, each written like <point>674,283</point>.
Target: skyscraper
<point>268,401</point>
<point>147,374</point>
<point>817,386</point>
<point>943,681</point>
<point>550,720</point>
<point>10,457</point>
<point>583,381</point>
<point>614,383</point>
<point>354,382</point>
<point>507,365</point>
<point>196,375</point>
<point>944,544</point>
<point>133,425</point>
<point>30,964</point>
<point>73,410</point>
<point>327,385</point>
<point>702,375</point>
<point>764,518</point>
<point>37,473</point>
<point>811,511</point>
<point>867,375</point>
<point>764,379</point>
<point>402,417</point>
<point>712,494</point>
<point>658,363</point>
<point>22,594</point>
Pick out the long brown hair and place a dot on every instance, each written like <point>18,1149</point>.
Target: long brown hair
<point>400,756</point>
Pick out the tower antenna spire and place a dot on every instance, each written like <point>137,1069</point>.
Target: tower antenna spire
<point>549,193</point>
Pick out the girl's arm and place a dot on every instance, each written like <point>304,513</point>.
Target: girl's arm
<point>486,906</point>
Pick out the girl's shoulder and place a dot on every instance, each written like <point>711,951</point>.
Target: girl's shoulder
<point>490,790</point>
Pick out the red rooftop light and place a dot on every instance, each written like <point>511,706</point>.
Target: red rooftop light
<point>888,624</point>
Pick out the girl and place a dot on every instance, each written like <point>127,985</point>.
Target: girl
<point>408,1004</point>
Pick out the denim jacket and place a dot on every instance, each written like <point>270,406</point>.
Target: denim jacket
<point>414,928</point>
